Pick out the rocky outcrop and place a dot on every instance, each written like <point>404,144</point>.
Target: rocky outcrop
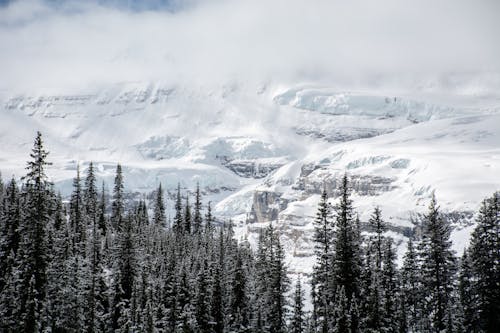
<point>361,185</point>
<point>266,206</point>
<point>250,168</point>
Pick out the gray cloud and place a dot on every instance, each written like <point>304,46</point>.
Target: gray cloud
<point>418,44</point>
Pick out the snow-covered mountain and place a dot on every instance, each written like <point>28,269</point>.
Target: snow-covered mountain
<point>263,154</point>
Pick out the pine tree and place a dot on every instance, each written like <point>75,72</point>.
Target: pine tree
<point>10,218</point>
<point>342,319</point>
<point>118,206</point>
<point>209,219</point>
<point>373,277</point>
<point>279,284</point>
<point>322,275</point>
<point>437,269</point>
<point>411,286</point>
<point>197,219</point>
<point>33,252</point>
<point>389,287</point>
<point>185,303</point>
<point>217,306</point>
<point>76,216</point>
<point>159,217</point>
<point>238,307</point>
<point>187,217</point>
<point>485,258</point>
<point>90,195</point>
<point>377,242</point>
<point>124,272</point>
<point>202,307</point>
<point>102,212</point>
<point>178,219</point>
<point>347,261</point>
<point>468,295</point>
<point>298,320</point>
<point>95,289</point>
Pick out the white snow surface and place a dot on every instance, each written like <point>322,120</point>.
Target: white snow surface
<point>415,145</point>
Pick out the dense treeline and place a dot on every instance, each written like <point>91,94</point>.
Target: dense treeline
<point>86,266</point>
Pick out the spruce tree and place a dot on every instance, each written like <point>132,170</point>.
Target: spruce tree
<point>202,306</point>
<point>347,260</point>
<point>159,217</point>
<point>389,287</point>
<point>377,242</point>
<point>95,289</point>
<point>33,257</point>
<point>90,195</point>
<point>102,212</point>
<point>411,287</point>
<point>322,271</point>
<point>238,307</point>
<point>178,219</point>
<point>118,205</point>
<point>437,269</point>
<point>469,316</point>
<point>217,306</point>
<point>10,218</point>
<point>125,271</point>
<point>209,219</point>
<point>279,284</point>
<point>342,322</point>
<point>197,219</point>
<point>485,259</point>
<point>187,218</point>
<point>77,216</point>
<point>298,320</point>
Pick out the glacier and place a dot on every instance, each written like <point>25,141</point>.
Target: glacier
<point>262,154</point>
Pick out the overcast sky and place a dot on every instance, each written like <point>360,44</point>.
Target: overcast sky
<point>75,44</point>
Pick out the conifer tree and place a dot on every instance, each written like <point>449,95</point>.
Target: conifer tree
<point>485,259</point>
<point>33,257</point>
<point>159,217</point>
<point>389,287</point>
<point>238,307</point>
<point>187,217</point>
<point>125,271</point>
<point>90,195</point>
<point>411,287</point>
<point>118,205</point>
<point>178,219</point>
<point>197,219</point>
<point>102,212</point>
<point>437,269</point>
<point>468,295</point>
<point>217,306</point>
<point>76,216</point>
<point>95,289</point>
<point>298,320</point>
<point>279,284</point>
<point>347,260</point>
<point>377,242</point>
<point>202,309</point>
<point>342,322</point>
<point>322,271</point>
<point>209,219</point>
<point>10,218</point>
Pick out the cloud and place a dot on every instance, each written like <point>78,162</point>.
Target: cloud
<point>78,44</point>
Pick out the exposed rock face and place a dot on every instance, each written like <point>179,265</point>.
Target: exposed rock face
<point>341,135</point>
<point>362,185</point>
<point>266,206</point>
<point>250,168</point>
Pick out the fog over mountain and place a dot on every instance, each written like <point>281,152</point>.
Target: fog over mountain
<point>403,45</point>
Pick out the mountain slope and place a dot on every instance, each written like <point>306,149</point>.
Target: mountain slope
<point>264,153</point>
